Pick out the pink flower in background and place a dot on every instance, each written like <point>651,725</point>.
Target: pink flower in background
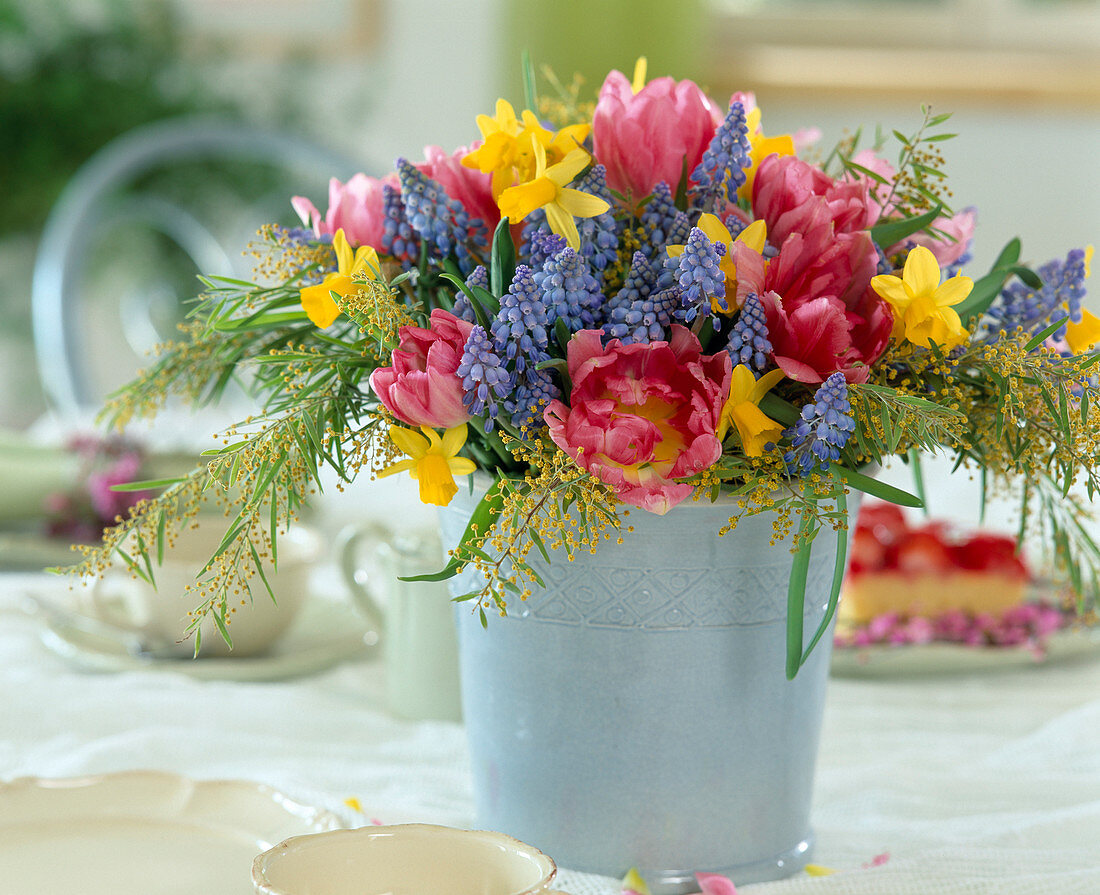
<point>958,234</point>
<point>715,884</point>
<point>355,207</point>
<point>468,186</point>
<point>641,416</point>
<point>421,387</point>
<point>643,138</point>
<point>821,336</point>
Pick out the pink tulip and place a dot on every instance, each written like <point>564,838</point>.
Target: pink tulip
<point>355,207</point>
<point>641,416</point>
<point>421,388</point>
<point>643,138</point>
<point>821,336</point>
<point>468,186</point>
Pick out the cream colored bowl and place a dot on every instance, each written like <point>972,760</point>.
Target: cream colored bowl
<point>408,859</point>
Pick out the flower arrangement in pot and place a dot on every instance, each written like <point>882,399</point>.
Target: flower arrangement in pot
<point>668,348</point>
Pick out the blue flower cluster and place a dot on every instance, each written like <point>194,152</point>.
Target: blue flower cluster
<point>698,274</point>
<point>479,276</point>
<point>398,237</point>
<point>569,291</point>
<point>485,380</point>
<point>721,170</point>
<point>658,217</point>
<point>824,428</point>
<point>440,221</point>
<point>531,396</point>
<point>1033,309</point>
<point>749,343</point>
<point>542,243</point>
<point>519,329</point>
<point>599,234</point>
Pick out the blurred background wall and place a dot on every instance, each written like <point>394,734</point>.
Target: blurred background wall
<point>374,79</point>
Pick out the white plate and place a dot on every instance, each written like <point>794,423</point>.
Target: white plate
<point>325,633</point>
<point>882,660</point>
<point>142,833</point>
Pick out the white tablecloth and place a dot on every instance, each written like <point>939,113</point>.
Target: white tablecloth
<point>986,783</point>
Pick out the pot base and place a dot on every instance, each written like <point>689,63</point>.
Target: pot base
<point>786,863</point>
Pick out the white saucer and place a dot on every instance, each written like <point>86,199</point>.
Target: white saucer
<point>325,633</point>
<point>883,660</point>
<point>142,833</point>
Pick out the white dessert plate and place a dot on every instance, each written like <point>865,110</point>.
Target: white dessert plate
<point>325,633</point>
<point>142,833</point>
<point>882,660</point>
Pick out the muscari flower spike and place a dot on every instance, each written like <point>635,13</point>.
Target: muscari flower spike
<point>658,218</point>
<point>569,291</point>
<point>698,274</point>
<point>479,276</point>
<point>721,170</point>
<point>1034,309</point>
<point>749,343</point>
<point>519,330</point>
<point>398,237</point>
<point>599,236</point>
<point>823,429</point>
<point>539,242</point>
<point>529,400</point>
<point>485,379</point>
<point>440,220</point>
<point>679,229</point>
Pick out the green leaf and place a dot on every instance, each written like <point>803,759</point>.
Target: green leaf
<point>530,92</point>
<point>681,200</point>
<point>796,594</point>
<point>918,478</point>
<point>148,484</point>
<point>894,231</point>
<point>838,578</point>
<point>1009,255</point>
<point>562,334</point>
<point>502,262</point>
<point>779,410</point>
<point>983,294</point>
<point>219,622</point>
<point>875,488</point>
<point>1036,340</point>
<point>483,518</point>
<point>536,539</point>
<point>938,138</point>
<point>1030,277</point>
<point>867,172</point>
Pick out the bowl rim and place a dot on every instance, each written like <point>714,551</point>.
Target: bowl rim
<point>263,886</point>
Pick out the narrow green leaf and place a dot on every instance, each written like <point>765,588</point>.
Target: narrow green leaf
<point>259,566</point>
<point>482,520</point>
<point>866,172</point>
<point>162,524</point>
<point>562,334</point>
<point>894,231</point>
<point>502,261</point>
<point>1009,255</point>
<point>148,484</point>
<point>779,410</point>
<point>918,477</point>
<point>536,539</point>
<point>875,488</point>
<point>530,93</point>
<point>838,577</point>
<point>938,138</point>
<point>983,497</point>
<point>219,623</point>
<point>1036,340</point>
<point>796,594</point>
<point>1030,277</point>
<point>681,201</point>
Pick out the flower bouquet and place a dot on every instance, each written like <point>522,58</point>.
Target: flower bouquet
<point>629,305</point>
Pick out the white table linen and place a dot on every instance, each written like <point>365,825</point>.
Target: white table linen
<point>988,783</point>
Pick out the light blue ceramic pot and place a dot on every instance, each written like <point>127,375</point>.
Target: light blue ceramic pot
<point>635,711</point>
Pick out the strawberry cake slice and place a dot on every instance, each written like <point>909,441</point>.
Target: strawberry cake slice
<point>927,570</point>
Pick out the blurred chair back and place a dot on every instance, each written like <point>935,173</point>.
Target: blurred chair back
<point>110,195</point>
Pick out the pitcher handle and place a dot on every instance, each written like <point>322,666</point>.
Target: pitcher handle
<point>348,544</point>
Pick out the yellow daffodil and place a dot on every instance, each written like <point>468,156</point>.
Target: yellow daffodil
<point>433,461</point>
<point>547,190</point>
<point>639,74</point>
<point>922,306</point>
<point>818,870</point>
<point>508,145</point>
<point>1083,336</point>
<point>752,237</point>
<point>741,410</point>
<point>363,264</point>
<point>761,148</point>
<point>634,882</point>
